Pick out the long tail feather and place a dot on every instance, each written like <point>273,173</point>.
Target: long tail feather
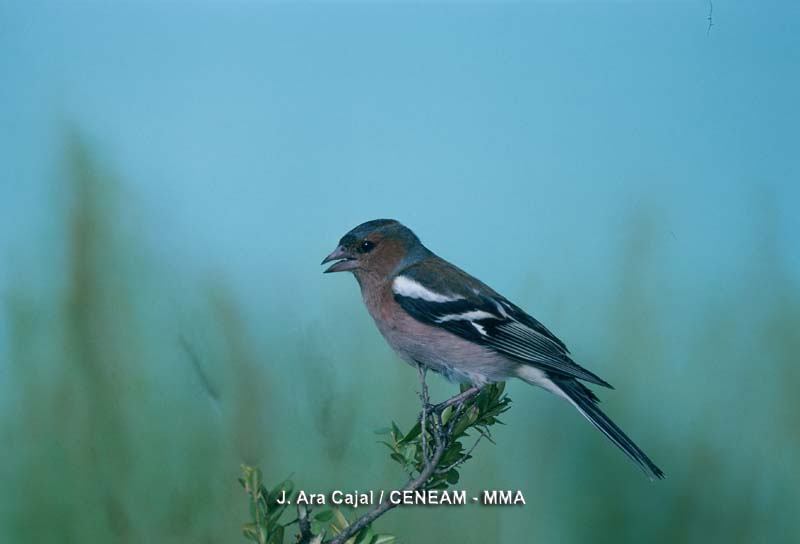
<point>586,403</point>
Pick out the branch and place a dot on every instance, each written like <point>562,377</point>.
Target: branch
<point>423,395</point>
<point>443,436</point>
<point>459,399</point>
<point>305,525</point>
<point>430,452</point>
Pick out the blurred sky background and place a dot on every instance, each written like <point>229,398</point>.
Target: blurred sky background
<point>627,177</point>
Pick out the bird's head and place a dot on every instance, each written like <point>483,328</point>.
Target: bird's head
<point>375,247</point>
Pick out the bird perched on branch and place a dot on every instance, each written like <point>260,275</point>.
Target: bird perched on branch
<point>436,315</point>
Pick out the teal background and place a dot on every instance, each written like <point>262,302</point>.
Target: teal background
<point>172,174</point>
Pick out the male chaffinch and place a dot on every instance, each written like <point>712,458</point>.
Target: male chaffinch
<point>436,315</point>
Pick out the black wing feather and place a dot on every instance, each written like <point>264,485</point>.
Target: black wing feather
<point>509,330</point>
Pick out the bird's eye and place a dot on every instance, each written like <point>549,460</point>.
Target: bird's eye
<point>366,246</point>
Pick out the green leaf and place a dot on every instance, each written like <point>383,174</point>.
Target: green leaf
<point>398,435</point>
<point>362,535</point>
<point>286,485</point>
<point>383,539</point>
<point>324,515</point>
<point>412,434</point>
<point>451,456</point>
<point>274,515</point>
<point>250,531</point>
<point>483,401</point>
<point>275,493</point>
<point>447,414</point>
<point>461,426</point>
<point>399,458</point>
<point>277,536</point>
<point>253,510</point>
<point>253,478</point>
<point>341,521</point>
<point>452,476</point>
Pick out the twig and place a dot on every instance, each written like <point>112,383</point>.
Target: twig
<point>458,399</point>
<point>463,458</point>
<point>423,395</point>
<point>306,536</point>
<point>710,17</point>
<point>442,436</point>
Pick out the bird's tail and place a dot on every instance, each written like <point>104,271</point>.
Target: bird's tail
<point>584,400</point>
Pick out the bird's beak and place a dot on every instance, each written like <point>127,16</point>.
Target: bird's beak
<point>344,261</point>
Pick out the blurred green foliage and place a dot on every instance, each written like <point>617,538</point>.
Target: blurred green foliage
<point>431,458</point>
<point>136,394</point>
<point>270,523</point>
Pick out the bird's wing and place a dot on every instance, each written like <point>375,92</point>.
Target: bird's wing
<point>441,295</point>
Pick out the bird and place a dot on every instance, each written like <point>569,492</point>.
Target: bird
<point>438,317</point>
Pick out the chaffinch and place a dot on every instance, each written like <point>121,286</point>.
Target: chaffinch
<point>436,315</point>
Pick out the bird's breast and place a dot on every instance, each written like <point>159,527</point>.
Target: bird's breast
<point>416,342</point>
